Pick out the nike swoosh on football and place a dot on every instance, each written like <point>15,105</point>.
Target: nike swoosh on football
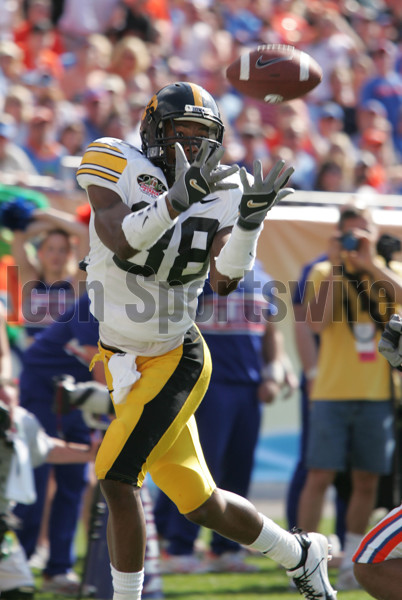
<point>194,184</point>
<point>252,204</point>
<point>210,200</point>
<point>261,64</point>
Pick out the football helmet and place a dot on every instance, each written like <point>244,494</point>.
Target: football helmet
<point>178,101</point>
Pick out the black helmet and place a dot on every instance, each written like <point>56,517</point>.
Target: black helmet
<point>178,101</point>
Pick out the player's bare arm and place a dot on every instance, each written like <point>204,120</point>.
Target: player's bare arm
<point>109,211</point>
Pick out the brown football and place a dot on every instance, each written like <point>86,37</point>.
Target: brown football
<point>274,73</point>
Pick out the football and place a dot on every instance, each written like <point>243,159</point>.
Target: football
<point>274,73</point>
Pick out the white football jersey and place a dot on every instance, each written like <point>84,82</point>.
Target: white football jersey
<point>146,304</point>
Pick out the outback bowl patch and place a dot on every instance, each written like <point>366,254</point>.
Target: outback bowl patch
<point>150,185</point>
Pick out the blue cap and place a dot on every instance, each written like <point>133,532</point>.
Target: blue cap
<point>374,106</point>
<point>331,110</point>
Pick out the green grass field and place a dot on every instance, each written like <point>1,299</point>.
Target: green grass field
<point>270,581</point>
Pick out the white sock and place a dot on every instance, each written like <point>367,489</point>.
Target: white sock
<point>352,541</point>
<point>127,586</point>
<point>278,544</point>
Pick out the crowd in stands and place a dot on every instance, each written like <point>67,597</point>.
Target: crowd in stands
<point>71,72</point>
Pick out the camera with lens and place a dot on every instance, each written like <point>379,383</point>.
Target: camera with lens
<point>387,245</point>
<point>92,398</point>
<point>349,241</point>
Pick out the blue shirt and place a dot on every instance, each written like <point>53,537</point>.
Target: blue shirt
<point>59,348</point>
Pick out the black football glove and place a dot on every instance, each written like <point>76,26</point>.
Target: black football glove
<point>194,182</point>
<point>262,195</point>
<point>390,344</point>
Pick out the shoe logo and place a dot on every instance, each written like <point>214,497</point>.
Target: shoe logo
<point>194,184</point>
<point>261,64</point>
<point>145,220</point>
<point>252,204</point>
<point>210,200</point>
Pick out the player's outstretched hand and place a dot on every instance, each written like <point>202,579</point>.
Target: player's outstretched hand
<point>263,194</point>
<point>194,182</point>
<point>390,344</point>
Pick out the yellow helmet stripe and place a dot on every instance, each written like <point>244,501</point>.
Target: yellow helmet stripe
<point>197,94</point>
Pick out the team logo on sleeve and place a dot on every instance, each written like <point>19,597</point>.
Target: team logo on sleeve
<point>150,185</point>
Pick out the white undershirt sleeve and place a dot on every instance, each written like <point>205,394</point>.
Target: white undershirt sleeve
<point>144,227</point>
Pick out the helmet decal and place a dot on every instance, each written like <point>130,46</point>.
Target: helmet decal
<point>197,93</point>
<point>150,107</point>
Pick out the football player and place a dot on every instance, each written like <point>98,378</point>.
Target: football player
<point>162,218</point>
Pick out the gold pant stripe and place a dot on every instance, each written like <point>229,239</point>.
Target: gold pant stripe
<point>156,410</point>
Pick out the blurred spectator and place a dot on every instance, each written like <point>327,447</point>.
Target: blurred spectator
<point>11,64</point>
<point>398,137</point>
<point>386,85</point>
<point>118,124</point>
<point>51,98</point>
<point>283,116</point>
<point>330,120</point>
<point>251,137</point>
<point>230,102</point>
<point>18,102</point>
<point>13,160</point>
<point>132,18</point>
<point>342,152</point>
<point>49,277</point>
<point>200,41</point>
<point>37,50</point>
<point>286,26</point>
<point>362,67</point>
<point>329,178</point>
<point>241,22</point>
<point>363,171</point>
<point>98,107</point>
<point>81,19</point>
<point>343,94</point>
<point>90,57</point>
<point>116,88</point>
<point>293,137</point>
<point>37,11</point>
<point>332,45</point>
<point>9,14</point>
<point>71,137</point>
<point>370,114</point>
<point>136,103</point>
<point>41,147</point>
<point>130,58</point>
<point>366,23</point>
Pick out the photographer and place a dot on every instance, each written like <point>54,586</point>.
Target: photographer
<point>350,298</point>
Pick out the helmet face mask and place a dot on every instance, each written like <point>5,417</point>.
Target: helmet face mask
<point>174,103</point>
